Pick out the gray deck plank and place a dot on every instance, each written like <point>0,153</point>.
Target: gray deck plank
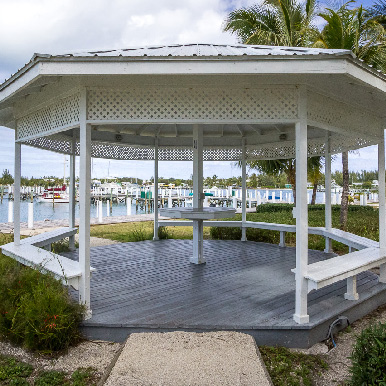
<point>243,284</point>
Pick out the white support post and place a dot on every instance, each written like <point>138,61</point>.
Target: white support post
<point>382,205</point>
<point>155,237</point>
<point>282,239</point>
<point>84,201</point>
<point>351,293</point>
<point>301,315</point>
<point>30,215</point>
<point>72,191</point>
<point>327,207</point>
<point>16,193</point>
<point>128,206</point>
<point>243,193</point>
<point>10,210</point>
<point>100,211</point>
<point>198,229</point>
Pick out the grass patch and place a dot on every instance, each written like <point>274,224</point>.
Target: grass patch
<point>143,230</point>
<point>288,368</point>
<point>16,372</point>
<point>36,310</point>
<point>362,221</point>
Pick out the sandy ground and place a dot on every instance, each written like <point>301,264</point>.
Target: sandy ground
<point>96,354</point>
<point>194,359</point>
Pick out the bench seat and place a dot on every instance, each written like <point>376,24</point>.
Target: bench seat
<point>46,238</point>
<point>30,253</point>
<point>329,271</point>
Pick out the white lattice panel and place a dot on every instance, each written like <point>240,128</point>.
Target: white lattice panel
<point>63,113</point>
<point>157,105</point>
<point>340,115</point>
<point>62,144</point>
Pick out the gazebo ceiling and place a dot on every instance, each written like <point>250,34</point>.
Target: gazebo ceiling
<point>236,93</point>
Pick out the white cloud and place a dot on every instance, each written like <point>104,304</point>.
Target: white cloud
<point>58,26</point>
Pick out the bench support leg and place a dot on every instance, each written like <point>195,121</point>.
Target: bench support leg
<point>382,273</point>
<point>351,293</point>
<point>282,239</point>
<point>328,245</point>
<point>71,241</point>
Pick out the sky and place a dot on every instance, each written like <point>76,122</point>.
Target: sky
<point>60,26</point>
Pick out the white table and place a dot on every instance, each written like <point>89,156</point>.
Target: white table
<point>198,215</point>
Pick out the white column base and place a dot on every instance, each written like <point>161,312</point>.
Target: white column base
<point>301,319</point>
<point>88,314</point>
<point>194,260</point>
<point>243,234</point>
<point>351,293</point>
<point>198,234</point>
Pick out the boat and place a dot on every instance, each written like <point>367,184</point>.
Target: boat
<point>54,196</point>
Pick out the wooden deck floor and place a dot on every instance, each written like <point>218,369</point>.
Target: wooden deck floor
<point>246,286</point>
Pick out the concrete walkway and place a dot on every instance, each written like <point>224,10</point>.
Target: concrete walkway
<point>188,358</point>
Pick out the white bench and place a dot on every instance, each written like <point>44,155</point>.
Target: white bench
<point>47,238</point>
<point>30,254</point>
<point>347,266</point>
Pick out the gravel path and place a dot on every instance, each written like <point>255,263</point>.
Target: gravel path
<point>338,358</point>
<point>96,354</point>
<point>194,359</point>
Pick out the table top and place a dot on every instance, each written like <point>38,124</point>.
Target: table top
<point>209,213</point>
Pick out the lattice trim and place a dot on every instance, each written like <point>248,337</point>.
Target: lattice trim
<point>62,144</point>
<point>156,105</point>
<point>337,114</point>
<point>63,113</point>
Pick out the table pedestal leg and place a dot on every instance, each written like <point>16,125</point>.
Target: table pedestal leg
<point>198,238</point>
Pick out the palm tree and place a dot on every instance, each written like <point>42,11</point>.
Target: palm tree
<point>276,167</point>
<point>314,174</point>
<point>363,34</point>
<point>274,22</point>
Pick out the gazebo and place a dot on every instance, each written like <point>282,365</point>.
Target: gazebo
<point>202,102</point>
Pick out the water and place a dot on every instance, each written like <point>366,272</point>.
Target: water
<point>45,211</point>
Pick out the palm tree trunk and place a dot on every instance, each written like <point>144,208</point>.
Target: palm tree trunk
<point>291,175</point>
<point>344,204</point>
<point>315,188</point>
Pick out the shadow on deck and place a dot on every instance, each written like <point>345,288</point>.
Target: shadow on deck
<point>244,286</point>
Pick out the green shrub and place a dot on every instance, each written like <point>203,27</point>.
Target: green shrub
<point>164,233</point>
<point>369,357</point>
<point>225,233</point>
<point>36,310</point>
<point>51,378</point>
<point>272,208</point>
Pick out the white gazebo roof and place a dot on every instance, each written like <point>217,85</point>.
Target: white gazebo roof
<point>235,92</point>
<point>202,50</point>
